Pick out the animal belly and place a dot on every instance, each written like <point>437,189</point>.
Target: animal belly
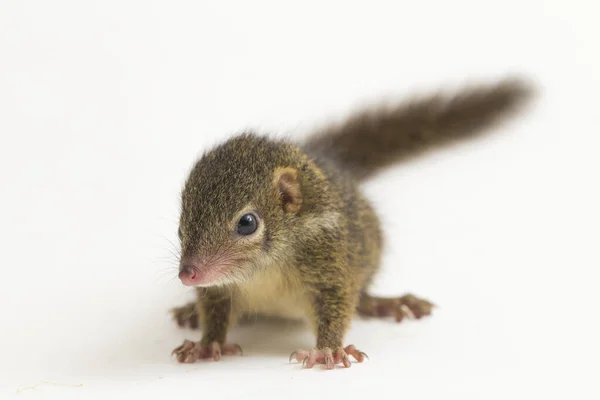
<point>291,308</point>
<point>271,293</point>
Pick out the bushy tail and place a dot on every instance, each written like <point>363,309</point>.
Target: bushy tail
<point>374,139</point>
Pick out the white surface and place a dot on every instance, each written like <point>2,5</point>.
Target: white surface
<point>105,105</point>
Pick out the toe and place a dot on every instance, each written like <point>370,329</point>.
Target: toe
<point>329,364</point>
<point>300,355</point>
<point>346,360</point>
<point>357,354</point>
<point>341,357</point>
<point>399,313</point>
<point>312,358</point>
<point>187,353</point>
<point>216,351</point>
<point>185,347</point>
<point>418,307</point>
<point>189,358</point>
<point>231,349</point>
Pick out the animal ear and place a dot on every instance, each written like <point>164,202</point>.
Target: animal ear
<point>288,189</point>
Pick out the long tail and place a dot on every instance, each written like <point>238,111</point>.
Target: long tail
<point>374,139</point>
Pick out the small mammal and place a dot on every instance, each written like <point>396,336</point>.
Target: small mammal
<point>281,229</point>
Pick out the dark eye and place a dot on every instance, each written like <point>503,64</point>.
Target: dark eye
<point>247,225</point>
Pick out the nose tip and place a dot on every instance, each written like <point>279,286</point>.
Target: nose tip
<point>188,274</point>
<point>189,270</point>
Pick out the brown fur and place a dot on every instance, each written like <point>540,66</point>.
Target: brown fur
<point>319,242</point>
<point>377,138</point>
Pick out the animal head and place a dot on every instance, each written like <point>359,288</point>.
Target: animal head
<point>239,204</point>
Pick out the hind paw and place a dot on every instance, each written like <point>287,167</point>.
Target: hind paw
<point>186,316</point>
<point>398,307</point>
<point>190,352</point>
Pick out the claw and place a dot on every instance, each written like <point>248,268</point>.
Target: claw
<point>357,354</point>
<point>237,346</point>
<point>325,356</point>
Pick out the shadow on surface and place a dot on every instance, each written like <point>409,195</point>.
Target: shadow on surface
<point>146,342</point>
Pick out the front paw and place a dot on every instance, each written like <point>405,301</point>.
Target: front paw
<point>325,356</point>
<point>190,352</point>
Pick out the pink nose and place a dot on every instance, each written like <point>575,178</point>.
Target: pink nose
<point>188,275</point>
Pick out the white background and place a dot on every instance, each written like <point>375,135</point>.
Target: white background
<point>104,106</point>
